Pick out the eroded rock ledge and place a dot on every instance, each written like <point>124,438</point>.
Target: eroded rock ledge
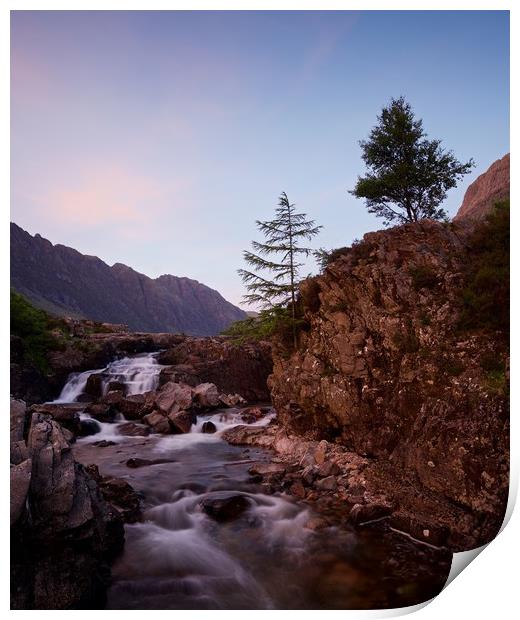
<point>383,371</point>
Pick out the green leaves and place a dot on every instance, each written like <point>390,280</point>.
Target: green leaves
<point>408,175</point>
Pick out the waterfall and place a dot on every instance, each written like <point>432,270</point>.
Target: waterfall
<point>139,374</point>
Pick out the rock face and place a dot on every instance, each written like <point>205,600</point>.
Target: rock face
<point>485,191</point>
<point>63,534</point>
<point>63,281</point>
<point>383,371</point>
<point>232,368</point>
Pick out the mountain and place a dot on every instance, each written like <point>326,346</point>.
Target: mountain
<point>486,190</point>
<point>63,281</point>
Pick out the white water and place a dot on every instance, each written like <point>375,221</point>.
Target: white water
<point>139,374</point>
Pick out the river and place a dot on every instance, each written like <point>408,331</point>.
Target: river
<point>271,556</point>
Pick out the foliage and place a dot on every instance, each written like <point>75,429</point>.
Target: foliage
<point>32,326</point>
<point>283,237</point>
<point>408,175</point>
<point>485,296</point>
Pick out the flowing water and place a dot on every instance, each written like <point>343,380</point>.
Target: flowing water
<point>269,557</point>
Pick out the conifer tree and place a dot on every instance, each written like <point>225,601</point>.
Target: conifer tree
<point>279,254</point>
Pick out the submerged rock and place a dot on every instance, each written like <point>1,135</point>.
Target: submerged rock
<point>225,507</point>
<point>209,427</point>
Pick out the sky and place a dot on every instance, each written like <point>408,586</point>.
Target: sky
<point>156,139</point>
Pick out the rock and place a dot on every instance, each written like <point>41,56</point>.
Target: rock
<point>181,421</point>
<point>327,484</point>
<point>116,386</point>
<point>113,397</point>
<point>206,396</point>
<point>132,406</point>
<point>18,412</point>
<point>158,422</point>
<point>267,469</point>
<point>20,480</point>
<point>309,474</point>
<point>297,489</point>
<point>231,400</point>
<point>316,523</point>
<point>61,554</point>
<point>485,191</point>
<point>209,427</point>
<point>320,453</point>
<point>250,415</point>
<point>130,429</point>
<point>88,427</point>
<point>104,443</point>
<point>135,463</point>
<point>95,384</point>
<point>101,412</point>
<point>363,513</point>
<point>328,468</point>
<point>119,494</point>
<point>224,506</point>
<point>66,415</point>
<point>174,397</point>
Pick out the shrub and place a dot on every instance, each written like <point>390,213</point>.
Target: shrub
<point>484,299</point>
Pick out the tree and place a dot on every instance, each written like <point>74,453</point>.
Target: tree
<point>283,237</point>
<point>408,175</point>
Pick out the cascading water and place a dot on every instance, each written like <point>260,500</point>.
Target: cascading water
<point>139,374</point>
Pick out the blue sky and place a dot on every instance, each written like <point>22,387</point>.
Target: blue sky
<point>156,139</point>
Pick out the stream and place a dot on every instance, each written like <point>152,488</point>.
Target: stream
<point>270,556</point>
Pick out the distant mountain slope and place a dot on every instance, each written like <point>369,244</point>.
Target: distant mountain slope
<point>64,281</point>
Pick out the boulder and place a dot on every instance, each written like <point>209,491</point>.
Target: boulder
<point>119,494</point>
<point>209,427</point>
<point>224,506</point>
<point>132,407</point>
<point>17,413</point>
<point>101,411</point>
<point>20,479</point>
<point>130,429</point>
<point>95,384</point>
<point>252,414</point>
<point>180,421</point>
<point>116,386</point>
<point>327,484</point>
<point>135,463</point>
<point>113,397</point>
<point>206,396</point>
<point>363,513</point>
<point>88,427</point>
<point>231,400</point>
<point>174,397</point>
<point>158,422</point>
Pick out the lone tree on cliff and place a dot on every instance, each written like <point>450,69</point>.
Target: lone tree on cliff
<point>408,175</point>
<point>283,238</point>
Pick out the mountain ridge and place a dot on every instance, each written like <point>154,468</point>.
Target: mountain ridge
<point>62,280</point>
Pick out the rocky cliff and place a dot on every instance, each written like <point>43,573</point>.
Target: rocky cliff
<point>385,371</point>
<point>63,281</point>
<point>486,190</point>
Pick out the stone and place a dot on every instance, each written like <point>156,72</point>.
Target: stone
<point>181,421</point>
<point>327,484</point>
<point>113,397</point>
<point>103,443</point>
<point>328,468</point>
<point>206,396</point>
<point>20,480</point>
<point>224,506</point>
<point>209,427</point>
<point>101,412</point>
<point>119,494</point>
<point>17,413</point>
<point>132,407</point>
<point>250,415</point>
<point>116,386</point>
<point>267,469</point>
<point>158,422</point>
<point>95,384</point>
<point>174,397</point>
<point>320,452</point>
<point>363,513</point>
<point>130,429</point>
<point>231,400</point>
<point>135,463</point>
<point>297,489</point>
<point>88,427</point>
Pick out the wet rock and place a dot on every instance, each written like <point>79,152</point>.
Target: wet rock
<point>329,468</point>
<point>88,427</point>
<point>158,422</point>
<point>181,421</point>
<point>327,484</point>
<point>116,386</point>
<point>316,523</point>
<point>135,463</point>
<point>362,513</point>
<point>252,414</point>
<point>209,427</point>
<point>297,489</point>
<point>113,397</point>
<point>232,400</point>
<point>104,443</point>
<point>119,494</point>
<point>130,429</point>
<point>94,385</point>
<point>267,469</point>
<point>174,397</point>
<point>309,474</point>
<point>66,415</point>
<point>132,406</point>
<point>224,507</point>
<point>320,453</point>
<point>101,411</point>
<point>206,396</point>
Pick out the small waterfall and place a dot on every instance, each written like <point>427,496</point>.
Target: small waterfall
<point>139,374</point>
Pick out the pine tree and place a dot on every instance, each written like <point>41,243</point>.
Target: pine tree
<point>409,175</point>
<point>283,237</point>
